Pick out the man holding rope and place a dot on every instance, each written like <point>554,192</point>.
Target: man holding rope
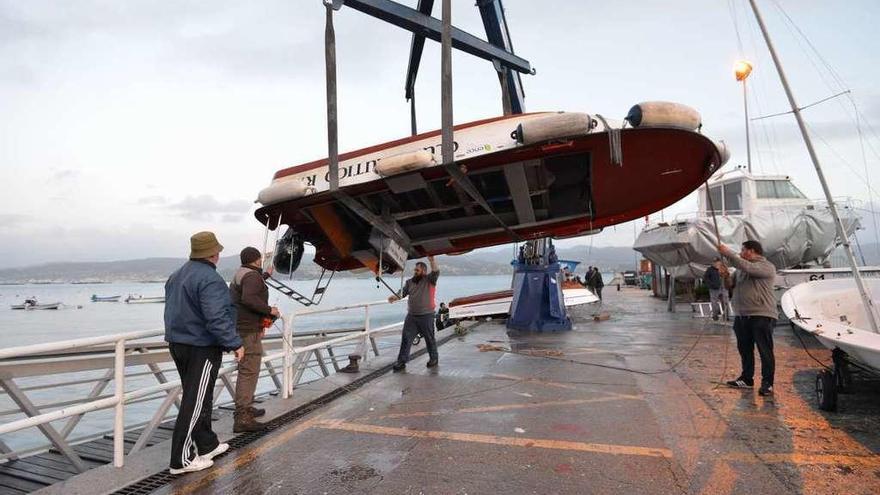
<point>756,312</point>
<point>421,289</point>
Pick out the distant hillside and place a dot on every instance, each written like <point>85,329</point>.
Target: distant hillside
<point>482,262</point>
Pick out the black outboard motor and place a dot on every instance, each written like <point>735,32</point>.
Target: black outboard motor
<point>288,252</point>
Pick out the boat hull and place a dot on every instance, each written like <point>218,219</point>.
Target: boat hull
<point>31,307</point>
<point>832,311</point>
<point>106,298</point>
<point>146,300</point>
<point>563,188</point>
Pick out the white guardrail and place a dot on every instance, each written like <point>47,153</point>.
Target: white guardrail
<point>294,360</point>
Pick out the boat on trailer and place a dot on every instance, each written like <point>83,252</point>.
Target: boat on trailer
<point>832,311</point>
<point>515,178</point>
<point>497,304</point>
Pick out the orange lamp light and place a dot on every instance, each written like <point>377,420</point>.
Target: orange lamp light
<point>742,69</point>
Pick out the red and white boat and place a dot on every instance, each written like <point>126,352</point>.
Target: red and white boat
<point>516,177</point>
<point>493,304</point>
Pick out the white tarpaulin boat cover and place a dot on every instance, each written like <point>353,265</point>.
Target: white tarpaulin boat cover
<point>790,237</point>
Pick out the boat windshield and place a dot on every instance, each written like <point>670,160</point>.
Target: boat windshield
<point>778,189</point>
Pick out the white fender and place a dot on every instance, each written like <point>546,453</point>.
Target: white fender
<point>557,126</point>
<point>282,191</point>
<point>664,114</point>
<point>723,152</point>
<point>404,162</point>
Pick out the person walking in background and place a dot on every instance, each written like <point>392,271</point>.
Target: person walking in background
<point>588,279</point>
<point>199,327</point>
<point>250,295</point>
<point>717,292</point>
<point>596,282</point>
<point>421,289</point>
<point>756,313</point>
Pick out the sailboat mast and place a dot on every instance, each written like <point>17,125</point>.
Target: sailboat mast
<point>841,231</point>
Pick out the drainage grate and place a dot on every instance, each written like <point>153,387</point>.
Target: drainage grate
<point>159,480</point>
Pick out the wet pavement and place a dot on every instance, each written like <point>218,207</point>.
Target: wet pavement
<point>556,413</point>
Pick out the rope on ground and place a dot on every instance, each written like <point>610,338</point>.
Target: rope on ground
<point>723,363</point>
<point>607,366</point>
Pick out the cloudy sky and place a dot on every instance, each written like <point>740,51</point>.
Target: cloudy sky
<point>126,126</point>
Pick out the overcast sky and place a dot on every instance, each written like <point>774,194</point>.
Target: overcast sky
<point>127,126</point>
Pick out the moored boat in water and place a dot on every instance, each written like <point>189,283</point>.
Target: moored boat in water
<point>33,304</point>
<point>138,299</point>
<point>97,298</point>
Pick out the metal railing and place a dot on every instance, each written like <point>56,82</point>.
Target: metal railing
<point>115,354</point>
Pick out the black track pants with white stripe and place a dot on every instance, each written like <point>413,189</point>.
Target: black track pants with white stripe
<point>198,367</point>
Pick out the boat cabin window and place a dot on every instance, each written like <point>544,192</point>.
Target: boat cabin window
<point>778,189</point>
<point>726,198</point>
<point>715,196</point>
<point>733,197</point>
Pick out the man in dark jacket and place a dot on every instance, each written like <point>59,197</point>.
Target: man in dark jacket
<point>756,313</point>
<point>199,327</point>
<point>717,292</point>
<point>588,279</point>
<point>250,295</point>
<point>421,289</point>
<point>596,282</point>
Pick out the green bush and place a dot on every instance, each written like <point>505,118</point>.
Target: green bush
<point>701,293</point>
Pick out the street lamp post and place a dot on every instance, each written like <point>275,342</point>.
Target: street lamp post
<point>742,69</point>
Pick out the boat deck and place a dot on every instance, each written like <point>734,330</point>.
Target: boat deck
<point>553,413</point>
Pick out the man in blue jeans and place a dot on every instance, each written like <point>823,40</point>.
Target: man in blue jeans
<point>421,289</point>
<point>756,313</point>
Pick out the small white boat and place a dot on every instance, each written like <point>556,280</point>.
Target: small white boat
<point>832,311</point>
<point>97,298</point>
<point>144,300</point>
<point>491,304</point>
<point>32,304</point>
<point>786,279</point>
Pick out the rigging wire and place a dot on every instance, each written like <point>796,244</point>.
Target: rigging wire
<point>731,7</point>
<point>871,203</point>
<point>771,138</point>
<point>823,100</point>
<point>855,115</point>
<point>836,82</point>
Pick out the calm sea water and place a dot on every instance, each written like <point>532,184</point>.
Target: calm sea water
<point>83,318</point>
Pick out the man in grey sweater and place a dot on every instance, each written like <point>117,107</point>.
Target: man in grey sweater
<point>421,289</point>
<point>756,313</point>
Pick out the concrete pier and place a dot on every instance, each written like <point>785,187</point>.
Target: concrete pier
<point>555,413</point>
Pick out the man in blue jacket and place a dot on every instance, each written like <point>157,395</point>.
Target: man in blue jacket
<point>199,327</point>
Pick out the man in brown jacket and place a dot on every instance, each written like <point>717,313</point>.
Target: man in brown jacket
<point>756,313</point>
<point>251,298</point>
